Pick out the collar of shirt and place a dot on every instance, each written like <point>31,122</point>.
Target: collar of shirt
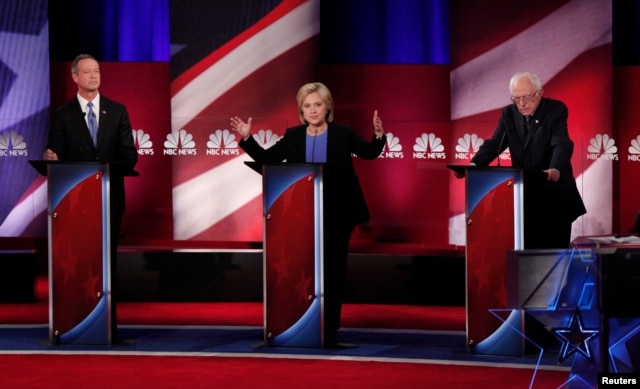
<point>96,104</point>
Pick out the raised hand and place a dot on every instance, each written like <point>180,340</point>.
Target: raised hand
<point>377,125</point>
<point>242,128</point>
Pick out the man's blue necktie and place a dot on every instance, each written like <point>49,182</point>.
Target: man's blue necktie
<point>93,124</point>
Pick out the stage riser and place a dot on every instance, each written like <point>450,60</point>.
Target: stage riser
<point>237,277</point>
<point>17,275</point>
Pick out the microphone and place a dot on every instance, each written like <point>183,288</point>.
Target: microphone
<point>84,115</point>
<point>500,145</point>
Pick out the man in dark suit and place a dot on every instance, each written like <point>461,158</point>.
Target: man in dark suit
<point>71,140</point>
<point>534,128</point>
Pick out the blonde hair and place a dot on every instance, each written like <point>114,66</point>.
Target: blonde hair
<point>312,87</point>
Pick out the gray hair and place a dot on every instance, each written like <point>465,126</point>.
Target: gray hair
<point>74,64</point>
<point>535,81</point>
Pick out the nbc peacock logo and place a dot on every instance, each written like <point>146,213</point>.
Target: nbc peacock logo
<point>392,149</point>
<point>468,146</point>
<point>266,138</point>
<point>143,143</point>
<point>12,144</point>
<point>429,146</point>
<point>222,142</point>
<point>634,150</point>
<point>602,146</point>
<point>180,142</point>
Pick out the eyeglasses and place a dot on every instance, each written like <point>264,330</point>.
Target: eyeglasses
<point>524,99</point>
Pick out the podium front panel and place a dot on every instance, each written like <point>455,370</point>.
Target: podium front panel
<point>494,212</point>
<point>79,253</point>
<point>293,284</point>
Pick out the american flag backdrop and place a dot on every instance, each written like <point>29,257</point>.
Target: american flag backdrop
<point>567,43</point>
<point>269,51</point>
<point>248,58</point>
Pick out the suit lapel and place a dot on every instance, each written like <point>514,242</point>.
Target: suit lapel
<point>537,117</point>
<point>532,128</point>
<point>102,118</point>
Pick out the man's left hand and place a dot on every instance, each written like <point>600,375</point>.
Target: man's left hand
<point>553,175</point>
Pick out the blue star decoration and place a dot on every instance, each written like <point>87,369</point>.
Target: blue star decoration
<point>575,338</point>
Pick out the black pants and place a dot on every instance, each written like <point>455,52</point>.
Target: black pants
<point>116,220</point>
<point>546,227</point>
<point>336,251</point>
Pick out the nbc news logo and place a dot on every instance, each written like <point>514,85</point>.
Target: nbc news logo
<point>143,143</point>
<point>634,150</point>
<point>266,138</point>
<point>12,144</point>
<point>393,148</point>
<point>602,147</point>
<point>222,142</point>
<point>429,146</point>
<point>179,142</point>
<point>468,146</point>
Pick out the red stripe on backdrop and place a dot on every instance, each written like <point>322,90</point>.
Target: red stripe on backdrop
<point>135,371</point>
<point>143,88</point>
<point>499,21</point>
<point>281,10</point>
<point>627,87</point>
<point>406,192</point>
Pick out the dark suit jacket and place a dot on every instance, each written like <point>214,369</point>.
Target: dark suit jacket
<point>69,137</point>
<point>342,191</point>
<point>547,146</point>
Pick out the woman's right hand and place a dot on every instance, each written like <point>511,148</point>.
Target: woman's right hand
<point>242,128</point>
<point>50,155</point>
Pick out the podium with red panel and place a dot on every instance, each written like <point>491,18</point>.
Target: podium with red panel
<point>494,213</point>
<point>293,255</point>
<point>79,252</point>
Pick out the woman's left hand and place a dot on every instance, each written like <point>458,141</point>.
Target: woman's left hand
<point>377,125</point>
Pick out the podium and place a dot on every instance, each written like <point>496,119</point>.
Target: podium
<point>293,254</point>
<point>618,271</point>
<point>494,215</point>
<point>79,252</point>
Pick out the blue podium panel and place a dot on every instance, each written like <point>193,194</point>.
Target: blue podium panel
<point>79,254</point>
<point>293,283</point>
